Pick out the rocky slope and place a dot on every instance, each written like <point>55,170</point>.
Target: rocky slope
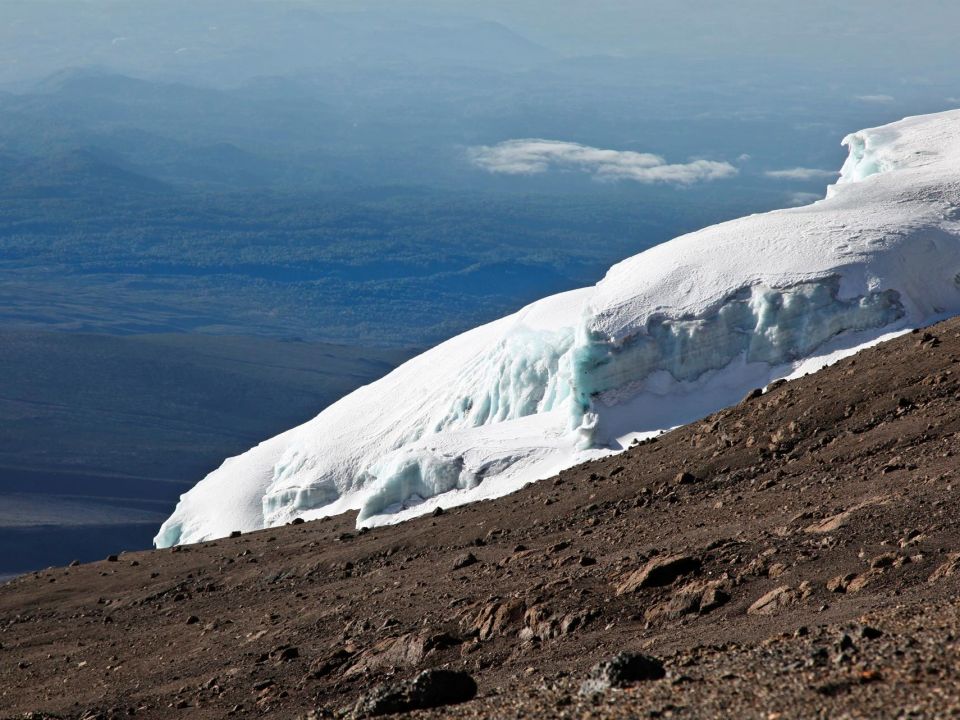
<point>794,555</point>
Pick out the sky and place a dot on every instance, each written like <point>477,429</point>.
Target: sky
<point>882,28</point>
<point>915,36</point>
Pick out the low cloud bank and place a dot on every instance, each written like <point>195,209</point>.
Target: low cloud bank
<point>534,156</point>
<point>801,173</point>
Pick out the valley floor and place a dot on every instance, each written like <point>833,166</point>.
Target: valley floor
<point>797,555</point>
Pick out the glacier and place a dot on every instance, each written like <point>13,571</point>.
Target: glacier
<point>666,337</point>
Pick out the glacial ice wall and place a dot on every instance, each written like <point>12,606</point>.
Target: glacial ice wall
<point>665,337</point>
<point>526,373</point>
<point>762,324</point>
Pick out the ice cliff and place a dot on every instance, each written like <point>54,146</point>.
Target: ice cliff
<point>667,336</point>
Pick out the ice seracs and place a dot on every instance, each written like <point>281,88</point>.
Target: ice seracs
<point>668,335</point>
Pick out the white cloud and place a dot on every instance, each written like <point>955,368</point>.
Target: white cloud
<point>874,98</point>
<point>534,156</point>
<point>801,173</point>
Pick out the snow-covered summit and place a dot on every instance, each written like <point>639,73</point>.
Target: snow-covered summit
<point>667,336</point>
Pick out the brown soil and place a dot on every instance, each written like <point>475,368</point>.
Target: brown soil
<point>754,552</point>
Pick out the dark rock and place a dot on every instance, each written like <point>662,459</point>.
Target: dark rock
<point>868,632</point>
<point>297,521</point>
<point>429,689</point>
<point>285,654</point>
<point>685,478</point>
<point>622,670</point>
<point>112,558</point>
<point>465,560</point>
<point>437,511</point>
<point>324,666</point>
<point>74,563</point>
<point>845,643</point>
<point>883,561</point>
<point>236,534</point>
<point>193,620</point>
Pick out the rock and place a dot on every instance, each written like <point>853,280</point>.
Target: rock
<point>685,478</point>
<point>74,563</point>
<point>429,689</point>
<point>285,653</point>
<point>658,572</point>
<point>622,670</point>
<point>465,560</point>
<point>192,620</point>
<point>437,511</point>
<point>835,522</point>
<point>679,605</point>
<point>324,666</point>
<point>883,561</point>
<point>947,569</point>
<point>774,601</point>
<point>845,643</point>
<point>868,632</point>
<point>236,534</point>
<point>112,558</point>
<point>696,597</point>
<point>407,650</point>
<point>840,583</point>
<point>540,623</point>
<point>713,597</point>
<point>776,570</point>
<point>859,582</point>
<point>297,521</point>
<point>497,618</point>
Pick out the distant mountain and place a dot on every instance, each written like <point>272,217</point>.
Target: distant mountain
<point>83,172</point>
<point>225,43</point>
